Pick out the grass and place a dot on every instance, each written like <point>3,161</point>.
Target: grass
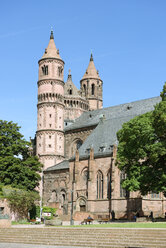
<point>125,225</point>
<point>21,222</point>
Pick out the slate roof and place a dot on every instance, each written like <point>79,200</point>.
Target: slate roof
<point>103,137</point>
<point>92,118</point>
<point>108,121</point>
<point>61,166</point>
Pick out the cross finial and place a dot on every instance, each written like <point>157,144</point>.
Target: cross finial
<point>91,57</point>
<point>52,35</point>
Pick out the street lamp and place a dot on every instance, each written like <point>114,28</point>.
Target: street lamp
<point>71,211</point>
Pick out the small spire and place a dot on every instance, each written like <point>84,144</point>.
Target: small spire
<point>91,57</point>
<point>69,75</point>
<point>52,35</point>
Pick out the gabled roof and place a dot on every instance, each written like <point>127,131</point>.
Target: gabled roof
<point>91,71</point>
<point>69,85</point>
<point>61,166</point>
<point>92,118</point>
<point>51,51</point>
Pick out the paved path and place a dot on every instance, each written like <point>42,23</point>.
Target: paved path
<point>16,245</point>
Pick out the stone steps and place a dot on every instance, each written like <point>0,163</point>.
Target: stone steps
<point>83,237</point>
<point>86,237</point>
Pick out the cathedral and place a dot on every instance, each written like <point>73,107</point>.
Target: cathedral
<point>77,144</point>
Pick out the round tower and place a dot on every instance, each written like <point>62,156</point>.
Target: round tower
<point>50,117</point>
<point>92,86</point>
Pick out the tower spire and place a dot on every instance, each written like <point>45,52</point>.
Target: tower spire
<point>91,57</point>
<point>51,35</point>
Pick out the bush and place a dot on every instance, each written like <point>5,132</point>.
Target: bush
<point>49,210</point>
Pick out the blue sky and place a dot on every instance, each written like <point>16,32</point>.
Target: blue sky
<point>127,37</point>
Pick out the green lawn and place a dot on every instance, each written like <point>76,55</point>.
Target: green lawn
<point>127,225</point>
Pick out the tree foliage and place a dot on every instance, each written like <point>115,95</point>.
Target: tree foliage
<point>142,150</point>
<point>17,167</point>
<point>20,201</point>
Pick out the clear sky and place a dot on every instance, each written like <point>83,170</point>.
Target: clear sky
<point>127,38</point>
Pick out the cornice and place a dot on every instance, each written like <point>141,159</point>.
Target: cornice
<point>50,81</point>
<point>50,104</point>
<point>50,60</point>
<point>90,79</point>
<point>49,130</point>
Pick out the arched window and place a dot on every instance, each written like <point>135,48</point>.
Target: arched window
<point>93,89</point>
<point>84,88</point>
<point>109,185</point>
<point>70,92</point>
<point>63,196</point>
<point>123,192</point>
<point>99,185</point>
<point>79,144</point>
<point>45,70</point>
<point>85,174</point>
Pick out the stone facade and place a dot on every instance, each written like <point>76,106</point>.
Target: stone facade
<point>76,141</point>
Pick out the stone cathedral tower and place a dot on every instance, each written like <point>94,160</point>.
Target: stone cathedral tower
<point>92,86</point>
<point>50,122</point>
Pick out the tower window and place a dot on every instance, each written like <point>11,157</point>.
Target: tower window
<point>50,115</point>
<point>70,92</point>
<point>49,146</point>
<point>45,69</point>
<point>50,137</point>
<point>93,89</point>
<point>60,70</point>
<point>50,125</point>
<point>84,88</point>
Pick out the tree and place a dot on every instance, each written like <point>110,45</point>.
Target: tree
<point>17,167</point>
<point>20,201</point>
<point>142,150</point>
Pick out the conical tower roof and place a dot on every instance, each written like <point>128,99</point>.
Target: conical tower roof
<point>91,71</point>
<point>51,51</point>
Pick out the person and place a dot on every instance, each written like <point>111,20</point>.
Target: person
<point>113,215</point>
<point>151,216</point>
<point>89,219</point>
<point>135,217</point>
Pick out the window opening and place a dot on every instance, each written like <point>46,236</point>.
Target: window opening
<point>93,89</point>
<point>45,69</point>
<point>99,185</point>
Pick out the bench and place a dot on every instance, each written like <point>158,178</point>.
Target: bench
<point>85,221</point>
<point>103,219</point>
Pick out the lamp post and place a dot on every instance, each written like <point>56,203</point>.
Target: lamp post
<point>71,211</point>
